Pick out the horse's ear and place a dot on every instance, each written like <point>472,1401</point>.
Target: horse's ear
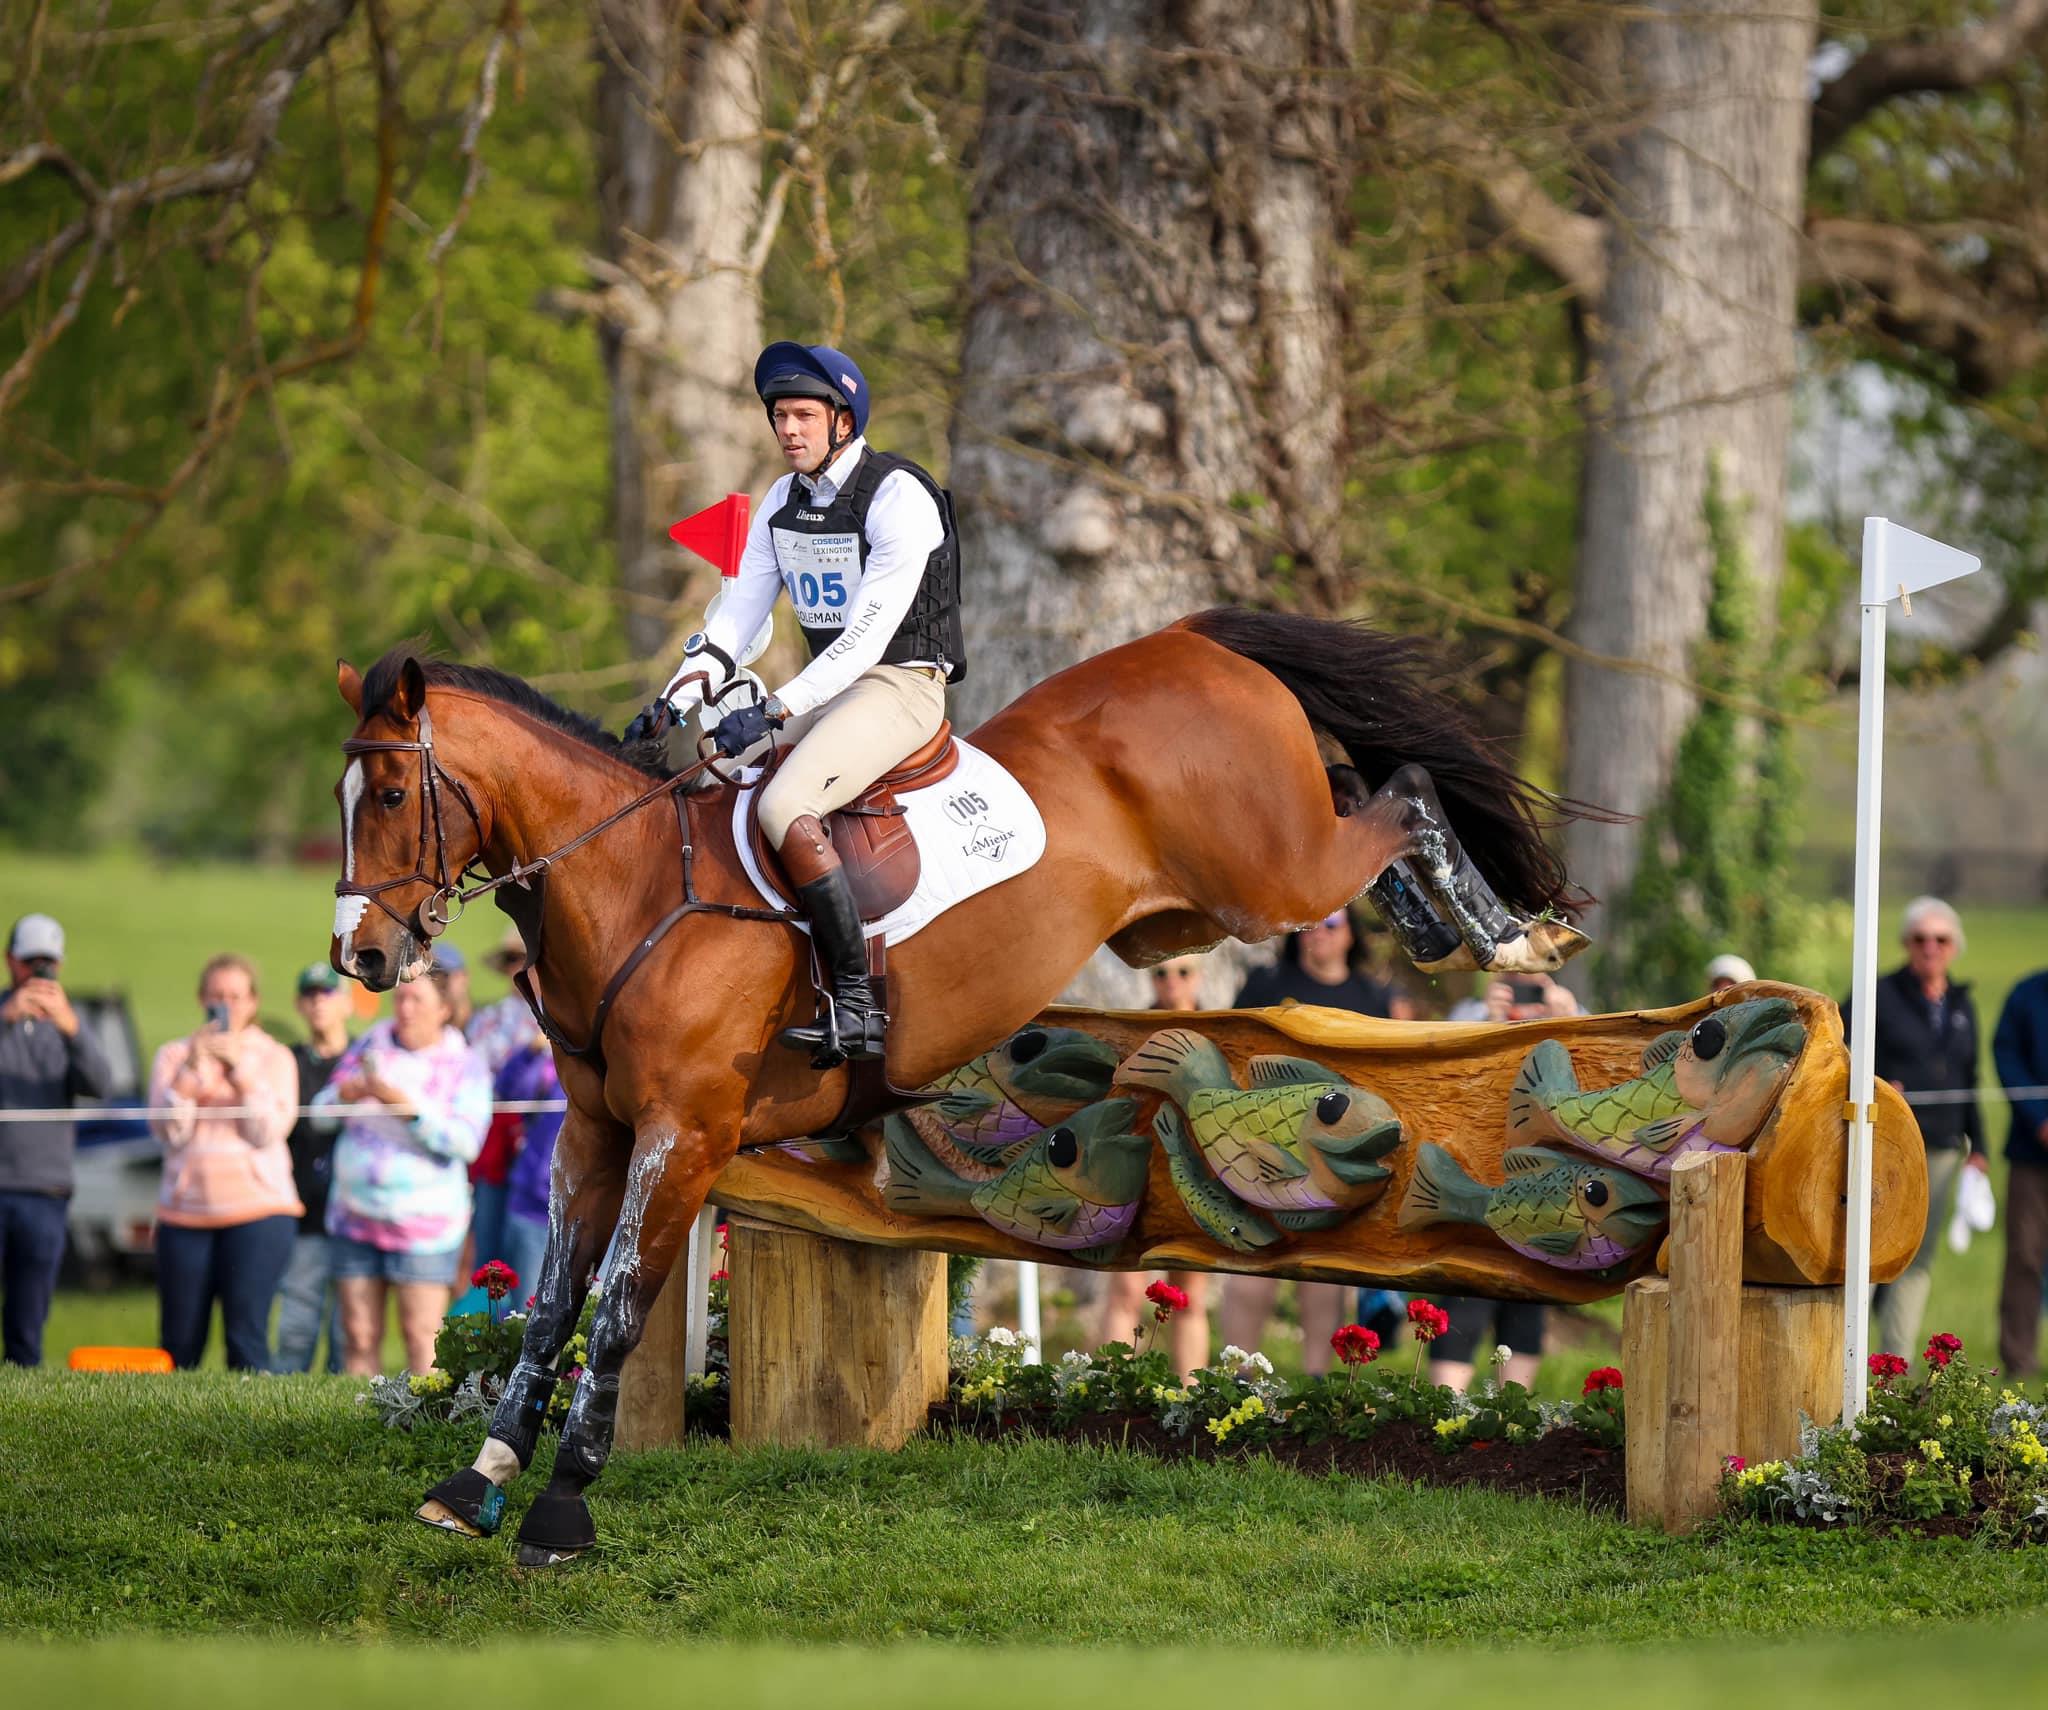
<point>350,682</point>
<point>410,695</point>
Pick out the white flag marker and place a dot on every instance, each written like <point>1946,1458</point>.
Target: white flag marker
<point>1897,564</point>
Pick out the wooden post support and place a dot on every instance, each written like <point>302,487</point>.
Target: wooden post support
<point>1705,1362</point>
<point>651,1381</point>
<point>832,1343</point>
<point>1645,1372</point>
<point>1791,1364</point>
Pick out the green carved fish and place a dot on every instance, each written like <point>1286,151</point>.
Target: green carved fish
<point>1574,1213</point>
<point>1216,1213</point>
<point>1709,1090</point>
<point>989,1108</point>
<point>1300,1141</point>
<point>1075,1187</point>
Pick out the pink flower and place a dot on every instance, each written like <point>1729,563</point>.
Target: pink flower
<point>1735,1463</point>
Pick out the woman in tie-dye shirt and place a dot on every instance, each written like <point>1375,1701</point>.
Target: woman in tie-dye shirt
<point>399,1205</point>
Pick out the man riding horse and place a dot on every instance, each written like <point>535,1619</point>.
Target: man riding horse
<point>863,541</point>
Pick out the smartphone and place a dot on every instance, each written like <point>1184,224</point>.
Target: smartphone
<point>1527,991</point>
<point>41,967</point>
<point>217,1017</point>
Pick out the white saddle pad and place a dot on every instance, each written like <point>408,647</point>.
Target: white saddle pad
<point>974,829</point>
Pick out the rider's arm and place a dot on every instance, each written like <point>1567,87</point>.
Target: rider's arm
<point>749,596</point>
<point>904,529</point>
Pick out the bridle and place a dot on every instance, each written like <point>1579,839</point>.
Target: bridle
<point>431,917</point>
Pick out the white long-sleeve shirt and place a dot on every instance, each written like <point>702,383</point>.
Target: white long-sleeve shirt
<point>904,529</point>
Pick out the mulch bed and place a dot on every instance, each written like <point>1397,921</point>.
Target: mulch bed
<point>1564,1463</point>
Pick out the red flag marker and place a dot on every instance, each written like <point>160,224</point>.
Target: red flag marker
<point>718,532</point>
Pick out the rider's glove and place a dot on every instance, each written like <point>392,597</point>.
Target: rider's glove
<point>740,729</point>
<point>648,723</point>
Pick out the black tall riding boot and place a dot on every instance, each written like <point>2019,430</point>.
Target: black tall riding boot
<point>1425,937</point>
<point>850,1023</point>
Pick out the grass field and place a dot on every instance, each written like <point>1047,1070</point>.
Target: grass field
<point>213,1507</point>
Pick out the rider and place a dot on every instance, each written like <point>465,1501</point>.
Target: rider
<point>864,542</point>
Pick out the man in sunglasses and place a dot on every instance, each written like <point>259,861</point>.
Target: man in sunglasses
<point>47,1058</point>
<point>1926,1043</point>
<point>863,542</point>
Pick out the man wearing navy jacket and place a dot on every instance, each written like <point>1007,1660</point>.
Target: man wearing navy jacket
<point>2020,1050</point>
<point>1927,1044</point>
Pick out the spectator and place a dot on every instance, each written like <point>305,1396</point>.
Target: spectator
<point>306,1298</point>
<point>453,967</point>
<point>499,1033</point>
<point>1926,1041</point>
<point>2020,1050</point>
<point>1726,971</point>
<point>228,1211</point>
<point>412,1101</point>
<point>1516,1325</point>
<point>1315,966</point>
<point>530,1076</point>
<point>46,1060</point>
<point>1176,985</point>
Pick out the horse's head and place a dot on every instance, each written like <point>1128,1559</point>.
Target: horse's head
<point>408,828</point>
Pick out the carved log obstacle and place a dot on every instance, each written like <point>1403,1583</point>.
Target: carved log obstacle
<point>1530,1160</point>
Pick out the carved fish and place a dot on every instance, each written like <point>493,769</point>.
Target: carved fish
<point>989,1108</point>
<point>1074,1187</point>
<point>1218,1215</point>
<point>1300,1142</point>
<point>1704,1091</point>
<point>1573,1213</point>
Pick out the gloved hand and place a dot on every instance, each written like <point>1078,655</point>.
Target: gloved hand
<point>741,728</point>
<point>648,723</point>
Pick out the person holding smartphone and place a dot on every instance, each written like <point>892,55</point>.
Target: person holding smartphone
<point>229,1210</point>
<point>46,1060</point>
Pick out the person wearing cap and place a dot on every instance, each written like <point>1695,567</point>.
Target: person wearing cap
<point>46,1060</point>
<point>864,544</point>
<point>1316,966</point>
<point>1726,971</point>
<point>306,1297</point>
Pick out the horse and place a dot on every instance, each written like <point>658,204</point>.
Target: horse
<point>1237,773</point>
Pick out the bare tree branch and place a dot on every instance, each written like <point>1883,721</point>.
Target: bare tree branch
<point>1571,244</point>
<point>1913,66</point>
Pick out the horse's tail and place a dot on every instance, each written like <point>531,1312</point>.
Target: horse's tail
<point>1375,695</point>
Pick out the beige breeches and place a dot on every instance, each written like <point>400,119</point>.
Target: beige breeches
<point>888,714</point>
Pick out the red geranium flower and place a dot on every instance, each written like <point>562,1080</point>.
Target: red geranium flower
<point>496,1278</point>
<point>1356,1345</point>
<point>1943,1348</point>
<point>1168,1300</point>
<point>1604,1377</point>
<point>1885,1367</point>
<point>1735,1463</point>
<point>1428,1321</point>
<point>721,1276</point>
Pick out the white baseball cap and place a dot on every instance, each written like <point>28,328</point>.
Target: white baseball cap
<point>36,935</point>
<point>1730,967</point>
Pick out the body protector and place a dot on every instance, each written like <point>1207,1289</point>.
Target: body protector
<point>822,553</point>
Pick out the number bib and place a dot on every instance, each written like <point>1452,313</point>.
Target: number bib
<point>820,571</point>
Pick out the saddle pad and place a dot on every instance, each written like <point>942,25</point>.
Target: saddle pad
<point>975,828</point>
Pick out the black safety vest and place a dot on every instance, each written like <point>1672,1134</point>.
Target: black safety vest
<point>823,555</point>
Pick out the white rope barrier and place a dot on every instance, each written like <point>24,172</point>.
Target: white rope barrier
<point>235,1112</point>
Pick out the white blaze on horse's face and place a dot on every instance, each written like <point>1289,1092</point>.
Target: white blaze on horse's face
<point>348,911</point>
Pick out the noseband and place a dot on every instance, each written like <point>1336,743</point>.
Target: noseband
<point>433,915</point>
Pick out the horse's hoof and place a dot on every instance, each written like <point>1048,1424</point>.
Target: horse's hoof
<point>542,1556</point>
<point>465,1503</point>
<point>1543,948</point>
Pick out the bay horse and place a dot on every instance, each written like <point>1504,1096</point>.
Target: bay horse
<point>1187,785</point>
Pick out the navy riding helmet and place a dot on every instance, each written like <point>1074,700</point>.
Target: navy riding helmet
<point>790,370</point>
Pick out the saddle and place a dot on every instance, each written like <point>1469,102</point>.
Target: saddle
<point>870,834</point>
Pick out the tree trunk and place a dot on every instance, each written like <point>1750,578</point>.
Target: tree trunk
<point>1692,345</point>
<point>679,124</point>
<point>1150,409</point>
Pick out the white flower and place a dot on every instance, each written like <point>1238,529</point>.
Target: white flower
<point>1073,1359</point>
<point>1259,1363</point>
<point>1503,1354</point>
<point>1002,1337</point>
<point>1232,1355</point>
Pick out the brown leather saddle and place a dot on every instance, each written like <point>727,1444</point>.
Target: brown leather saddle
<point>870,834</point>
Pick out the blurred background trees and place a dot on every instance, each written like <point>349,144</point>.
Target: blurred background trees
<point>1551,329</point>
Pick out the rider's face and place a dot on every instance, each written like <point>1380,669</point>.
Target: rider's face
<point>803,431</point>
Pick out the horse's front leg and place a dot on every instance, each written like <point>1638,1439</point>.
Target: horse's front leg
<point>586,1187</point>
<point>671,1172</point>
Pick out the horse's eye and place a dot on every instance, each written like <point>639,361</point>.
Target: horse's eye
<point>1596,1193</point>
<point>390,798</point>
<point>1061,1148</point>
<point>1332,1105</point>
<point>1709,1037</point>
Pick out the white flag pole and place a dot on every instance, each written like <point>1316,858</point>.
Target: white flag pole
<point>1896,563</point>
<point>1030,1325</point>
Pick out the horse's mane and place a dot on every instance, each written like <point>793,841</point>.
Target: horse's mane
<point>381,680</point>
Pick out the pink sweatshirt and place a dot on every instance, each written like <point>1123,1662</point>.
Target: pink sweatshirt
<point>220,1170</point>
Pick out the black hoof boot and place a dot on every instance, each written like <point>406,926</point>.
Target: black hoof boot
<point>1426,938</point>
<point>466,1503</point>
<point>557,1529</point>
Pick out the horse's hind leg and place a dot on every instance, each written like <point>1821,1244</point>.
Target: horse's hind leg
<point>671,1171</point>
<point>1473,929</point>
<point>583,1207</point>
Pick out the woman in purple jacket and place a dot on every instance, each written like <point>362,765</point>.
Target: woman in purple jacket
<point>529,1075</point>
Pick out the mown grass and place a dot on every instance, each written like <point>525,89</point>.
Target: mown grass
<point>1979,1664</point>
<point>212,1506</point>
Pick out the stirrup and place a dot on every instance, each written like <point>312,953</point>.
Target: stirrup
<point>828,1045</point>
